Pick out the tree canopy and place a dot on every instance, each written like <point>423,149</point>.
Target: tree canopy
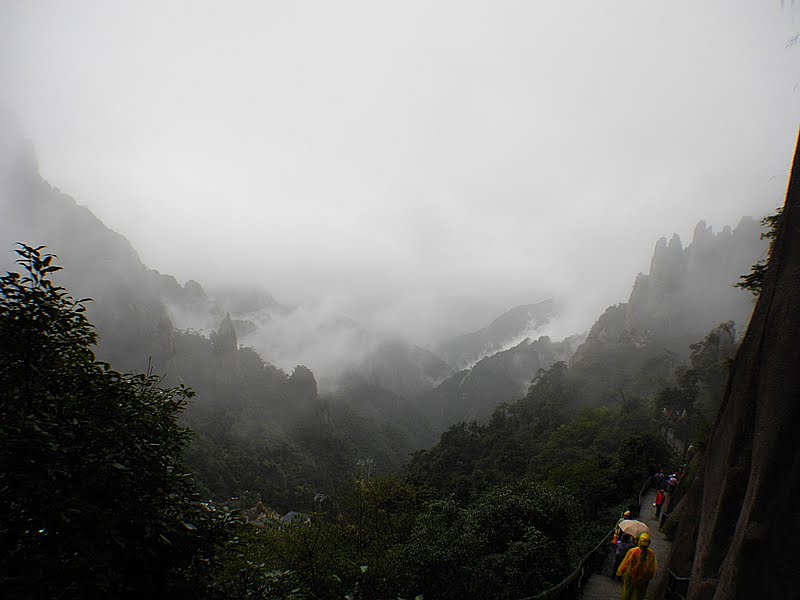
<point>94,499</point>
<point>754,280</point>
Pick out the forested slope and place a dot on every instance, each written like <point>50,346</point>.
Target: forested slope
<point>257,427</point>
<point>634,347</point>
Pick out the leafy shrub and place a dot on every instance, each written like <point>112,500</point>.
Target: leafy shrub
<point>94,499</point>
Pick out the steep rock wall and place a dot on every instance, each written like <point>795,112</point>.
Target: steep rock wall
<point>740,522</point>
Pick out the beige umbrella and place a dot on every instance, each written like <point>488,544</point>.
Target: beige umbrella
<point>634,528</point>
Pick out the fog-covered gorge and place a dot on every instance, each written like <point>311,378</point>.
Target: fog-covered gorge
<point>304,411</point>
<point>139,312</point>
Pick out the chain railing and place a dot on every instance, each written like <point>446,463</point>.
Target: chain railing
<point>642,492</point>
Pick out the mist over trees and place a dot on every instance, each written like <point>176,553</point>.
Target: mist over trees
<point>365,300</point>
<point>196,438</point>
<point>464,518</point>
<point>541,441</point>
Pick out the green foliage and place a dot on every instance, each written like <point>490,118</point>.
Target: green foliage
<point>616,361</point>
<point>94,499</point>
<point>599,454</point>
<point>753,280</point>
<point>312,556</point>
<point>710,364</point>
<point>698,394</point>
<point>99,504</point>
<point>514,540</point>
<point>549,398</point>
<point>392,540</point>
<point>382,509</point>
<point>266,435</point>
<point>328,555</point>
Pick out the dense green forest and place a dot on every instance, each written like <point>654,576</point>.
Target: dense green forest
<point>98,501</point>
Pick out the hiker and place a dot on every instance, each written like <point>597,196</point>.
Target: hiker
<point>671,484</point>
<point>637,569</point>
<point>658,479</point>
<point>660,497</point>
<point>623,545</point>
<point>615,539</point>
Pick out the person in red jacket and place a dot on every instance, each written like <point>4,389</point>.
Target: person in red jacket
<point>660,497</point>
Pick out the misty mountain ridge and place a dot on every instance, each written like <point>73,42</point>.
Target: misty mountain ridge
<point>473,394</point>
<point>136,308</point>
<point>688,289</point>
<point>98,263</point>
<point>632,348</point>
<point>334,345</point>
<point>507,330</point>
<point>102,264</point>
<point>247,413</point>
<point>371,381</point>
<point>372,300</point>
<point>688,292</point>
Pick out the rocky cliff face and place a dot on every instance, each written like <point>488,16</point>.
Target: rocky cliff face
<point>98,262</point>
<point>739,533</point>
<point>136,309</point>
<point>634,346</point>
<point>689,290</point>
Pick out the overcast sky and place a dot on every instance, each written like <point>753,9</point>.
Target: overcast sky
<point>374,153</point>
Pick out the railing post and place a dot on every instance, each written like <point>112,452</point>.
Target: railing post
<point>677,586</point>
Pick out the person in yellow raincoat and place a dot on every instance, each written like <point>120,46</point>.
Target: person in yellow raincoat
<point>637,569</point>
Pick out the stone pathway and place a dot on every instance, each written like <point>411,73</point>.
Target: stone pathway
<point>601,587</point>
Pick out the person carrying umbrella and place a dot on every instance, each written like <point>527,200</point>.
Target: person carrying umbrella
<point>637,569</point>
<point>633,527</point>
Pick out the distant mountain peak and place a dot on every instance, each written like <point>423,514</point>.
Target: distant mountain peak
<point>687,293</point>
<point>504,331</point>
<point>225,337</point>
<point>689,290</point>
